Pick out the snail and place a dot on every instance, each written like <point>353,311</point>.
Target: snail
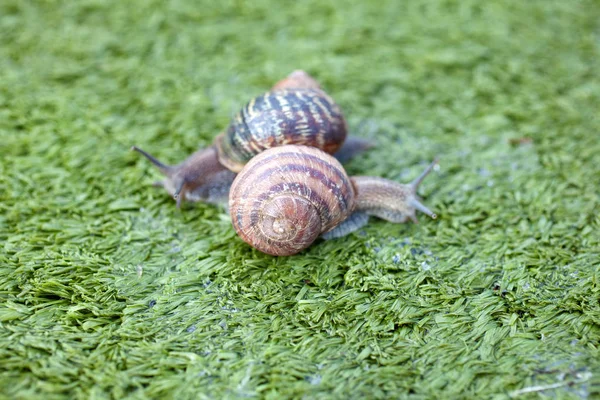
<point>295,111</point>
<point>288,196</point>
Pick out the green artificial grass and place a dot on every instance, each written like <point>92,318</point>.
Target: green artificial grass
<point>109,292</point>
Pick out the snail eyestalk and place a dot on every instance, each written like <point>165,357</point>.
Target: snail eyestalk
<point>414,201</point>
<point>165,169</point>
<point>419,179</point>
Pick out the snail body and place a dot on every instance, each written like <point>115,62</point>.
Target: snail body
<point>294,111</point>
<point>288,196</point>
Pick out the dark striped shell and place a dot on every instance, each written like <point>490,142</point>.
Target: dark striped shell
<point>300,116</point>
<point>287,196</point>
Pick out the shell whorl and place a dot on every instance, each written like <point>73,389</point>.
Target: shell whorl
<point>302,116</point>
<point>287,196</point>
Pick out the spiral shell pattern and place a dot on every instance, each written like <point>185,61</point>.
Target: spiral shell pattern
<point>287,196</point>
<point>300,116</point>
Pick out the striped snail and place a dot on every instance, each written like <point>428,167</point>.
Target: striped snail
<point>288,196</point>
<point>294,111</point>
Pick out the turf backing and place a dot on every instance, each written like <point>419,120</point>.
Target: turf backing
<point>108,291</point>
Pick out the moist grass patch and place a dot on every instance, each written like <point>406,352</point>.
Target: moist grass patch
<point>108,291</point>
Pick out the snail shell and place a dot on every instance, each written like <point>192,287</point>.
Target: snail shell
<point>287,196</point>
<point>298,115</point>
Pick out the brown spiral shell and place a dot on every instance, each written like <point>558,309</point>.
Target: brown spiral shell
<point>302,115</point>
<point>287,196</point>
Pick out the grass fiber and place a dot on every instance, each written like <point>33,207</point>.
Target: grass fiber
<point>108,291</point>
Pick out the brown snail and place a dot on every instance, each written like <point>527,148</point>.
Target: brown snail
<point>288,196</point>
<point>294,111</point>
